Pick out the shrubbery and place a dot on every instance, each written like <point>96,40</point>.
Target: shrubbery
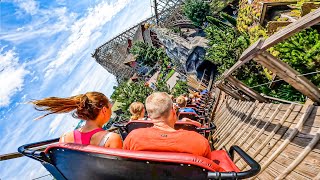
<point>226,44</point>
<point>302,52</point>
<point>180,88</point>
<point>147,55</point>
<point>196,11</point>
<point>127,93</point>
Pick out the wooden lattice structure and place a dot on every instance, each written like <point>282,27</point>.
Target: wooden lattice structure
<point>112,54</point>
<point>283,138</point>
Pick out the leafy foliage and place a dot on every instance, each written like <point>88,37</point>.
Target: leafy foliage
<point>196,11</point>
<point>181,87</point>
<point>149,55</point>
<point>229,18</point>
<point>302,52</point>
<point>225,44</point>
<point>162,86</point>
<point>217,5</point>
<point>127,93</point>
<point>145,54</point>
<point>287,92</point>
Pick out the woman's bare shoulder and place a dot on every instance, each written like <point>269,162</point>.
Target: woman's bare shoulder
<point>67,137</point>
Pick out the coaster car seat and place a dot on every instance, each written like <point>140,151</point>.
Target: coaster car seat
<point>74,161</point>
<point>190,115</point>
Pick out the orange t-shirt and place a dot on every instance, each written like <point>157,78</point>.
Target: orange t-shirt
<point>153,139</point>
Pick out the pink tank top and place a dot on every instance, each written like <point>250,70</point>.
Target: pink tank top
<point>84,138</point>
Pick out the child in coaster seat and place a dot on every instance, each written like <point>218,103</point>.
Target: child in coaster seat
<point>137,111</point>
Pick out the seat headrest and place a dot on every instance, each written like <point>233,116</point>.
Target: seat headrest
<point>168,157</point>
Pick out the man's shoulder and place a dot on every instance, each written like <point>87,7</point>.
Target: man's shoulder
<point>193,137</point>
<point>192,133</point>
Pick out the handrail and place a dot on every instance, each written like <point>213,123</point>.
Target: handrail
<point>255,167</point>
<point>28,149</point>
<point>35,153</point>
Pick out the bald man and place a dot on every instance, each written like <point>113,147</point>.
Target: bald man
<point>162,136</point>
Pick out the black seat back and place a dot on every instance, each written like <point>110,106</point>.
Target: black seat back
<point>138,124</point>
<point>132,125</point>
<point>185,126</point>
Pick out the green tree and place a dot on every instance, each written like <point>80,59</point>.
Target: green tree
<point>149,55</point>
<point>127,93</point>
<point>226,44</point>
<point>144,53</point>
<point>180,88</point>
<point>162,86</point>
<point>301,52</point>
<point>196,11</point>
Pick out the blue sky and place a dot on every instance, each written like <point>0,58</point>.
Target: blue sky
<point>45,50</point>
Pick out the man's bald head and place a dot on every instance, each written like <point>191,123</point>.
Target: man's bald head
<point>159,105</point>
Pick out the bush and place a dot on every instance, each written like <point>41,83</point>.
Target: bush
<point>180,88</point>
<point>196,11</point>
<point>225,44</point>
<point>127,93</point>
<point>145,54</point>
<point>301,52</point>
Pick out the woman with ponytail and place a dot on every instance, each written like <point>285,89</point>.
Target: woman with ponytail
<point>94,108</point>
<point>137,111</point>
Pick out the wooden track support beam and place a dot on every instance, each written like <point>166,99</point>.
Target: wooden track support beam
<point>274,131</point>
<point>244,88</point>
<point>244,129</point>
<point>229,91</point>
<point>233,113</point>
<point>262,130</point>
<point>302,23</point>
<point>246,56</point>
<point>216,102</point>
<point>253,128</point>
<point>288,74</point>
<point>228,115</point>
<point>234,123</point>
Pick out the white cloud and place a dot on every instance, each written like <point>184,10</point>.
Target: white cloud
<point>46,22</point>
<point>82,31</point>
<point>11,76</point>
<point>29,6</point>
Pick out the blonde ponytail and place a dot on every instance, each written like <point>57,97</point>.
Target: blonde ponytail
<point>136,109</point>
<point>135,117</point>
